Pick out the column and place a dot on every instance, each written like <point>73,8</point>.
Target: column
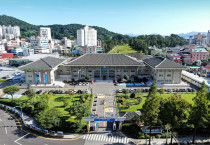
<point>100,71</point>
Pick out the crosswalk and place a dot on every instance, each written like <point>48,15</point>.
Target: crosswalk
<point>106,138</point>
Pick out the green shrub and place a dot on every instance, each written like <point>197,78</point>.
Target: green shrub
<point>162,135</point>
<point>158,136</point>
<point>147,136</point>
<point>132,95</point>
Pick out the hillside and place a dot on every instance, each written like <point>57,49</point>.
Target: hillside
<point>58,31</point>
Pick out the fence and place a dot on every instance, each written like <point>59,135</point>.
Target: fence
<point>29,126</point>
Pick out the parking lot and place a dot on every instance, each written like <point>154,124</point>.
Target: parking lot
<point>146,90</point>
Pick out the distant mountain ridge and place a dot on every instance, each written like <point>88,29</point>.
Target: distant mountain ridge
<point>58,31</point>
<point>187,35</point>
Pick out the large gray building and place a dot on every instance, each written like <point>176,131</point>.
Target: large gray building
<point>102,66</point>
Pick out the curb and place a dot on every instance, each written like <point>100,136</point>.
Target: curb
<point>22,129</point>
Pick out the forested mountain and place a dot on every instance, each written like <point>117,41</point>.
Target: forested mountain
<point>58,31</point>
<point>110,39</point>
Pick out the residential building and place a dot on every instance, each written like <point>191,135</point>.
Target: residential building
<point>17,51</point>
<point>45,33</point>
<point>6,55</point>
<point>208,37</point>
<point>87,36</point>
<point>174,57</point>
<point>41,50</point>
<point>9,32</point>
<point>2,49</point>
<point>186,57</point>
<point>199,54</point>
<point>28,51</point>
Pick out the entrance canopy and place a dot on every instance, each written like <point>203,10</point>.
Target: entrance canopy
<point>105,119</point>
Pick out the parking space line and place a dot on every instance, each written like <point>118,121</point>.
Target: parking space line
<point>21,138</point>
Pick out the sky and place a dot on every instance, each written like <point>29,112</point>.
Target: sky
<point>122,16</point>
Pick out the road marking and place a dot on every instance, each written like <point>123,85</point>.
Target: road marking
<point>108,109</point>
<point>21,138</point>
<point>5,129</point>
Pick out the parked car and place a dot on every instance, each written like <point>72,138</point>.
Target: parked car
<point>120,91</point>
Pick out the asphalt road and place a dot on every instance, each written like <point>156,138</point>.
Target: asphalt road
<point>11,134</point>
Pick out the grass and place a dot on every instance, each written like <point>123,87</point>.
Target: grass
<point>125,49</point>
<point>3,80</point>
<point>57,102</point>
<point>186,96</point>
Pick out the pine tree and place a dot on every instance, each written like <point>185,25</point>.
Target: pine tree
<point>150,110</point>
<point>200,112</point>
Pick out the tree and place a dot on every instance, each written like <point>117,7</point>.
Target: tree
<point>200,110</point>
<point>11,90</point>
<point>87,78</point>
<point>138,92</point>
<point>125,92</point>
<point>128,104</point>
<point>31,94</point>
<point>150,109</point>
<point>49,118</point>
<point>132,95</point>
<point>79,110</point>
<point>161,91</point>
<point>126,77</point>
<point>175,111</point>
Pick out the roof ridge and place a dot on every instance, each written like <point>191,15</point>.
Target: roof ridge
<point>130,57</point>
<point>161,62</point>
<point>78,57</point>
<point>46,62</point>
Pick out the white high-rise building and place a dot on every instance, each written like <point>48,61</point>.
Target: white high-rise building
<point>208,37</point>
<point>9,32</point>
<point>87,36</point>
<point>45,33</point>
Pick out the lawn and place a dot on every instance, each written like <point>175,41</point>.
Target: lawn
<point>187,96</point>
<point>57,102</point>
<point>125,49</point>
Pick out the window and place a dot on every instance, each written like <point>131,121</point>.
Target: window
<point>169,70</point>
<point>67,70</point>
<point>160,75</point>
<point>30,76</point>
<point>74,71</point>
<point>118,70</point>
<point>133,71</point>
<point>125,71</point>
<point>168,75</point>
<point>75,76</point>
<point>29,81</point>
<point>60,70</point>
<point>90,71</point>
<point>160,70</point>
<point>28,70</point>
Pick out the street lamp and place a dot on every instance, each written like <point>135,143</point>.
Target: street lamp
<point>20,109</point>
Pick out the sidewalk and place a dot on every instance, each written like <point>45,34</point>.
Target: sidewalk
<point>31,122</point>
<point>184,140</point>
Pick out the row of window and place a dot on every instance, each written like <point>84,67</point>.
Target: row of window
<point>161,81</point>
<point>161,75</point>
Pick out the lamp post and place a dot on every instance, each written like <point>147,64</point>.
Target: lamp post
<point>20,109</point>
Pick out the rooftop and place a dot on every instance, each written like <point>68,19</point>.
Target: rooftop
<point>105,59</point>
<point>199,50</point>
<point>43,63</point>
<point>160,62</point>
